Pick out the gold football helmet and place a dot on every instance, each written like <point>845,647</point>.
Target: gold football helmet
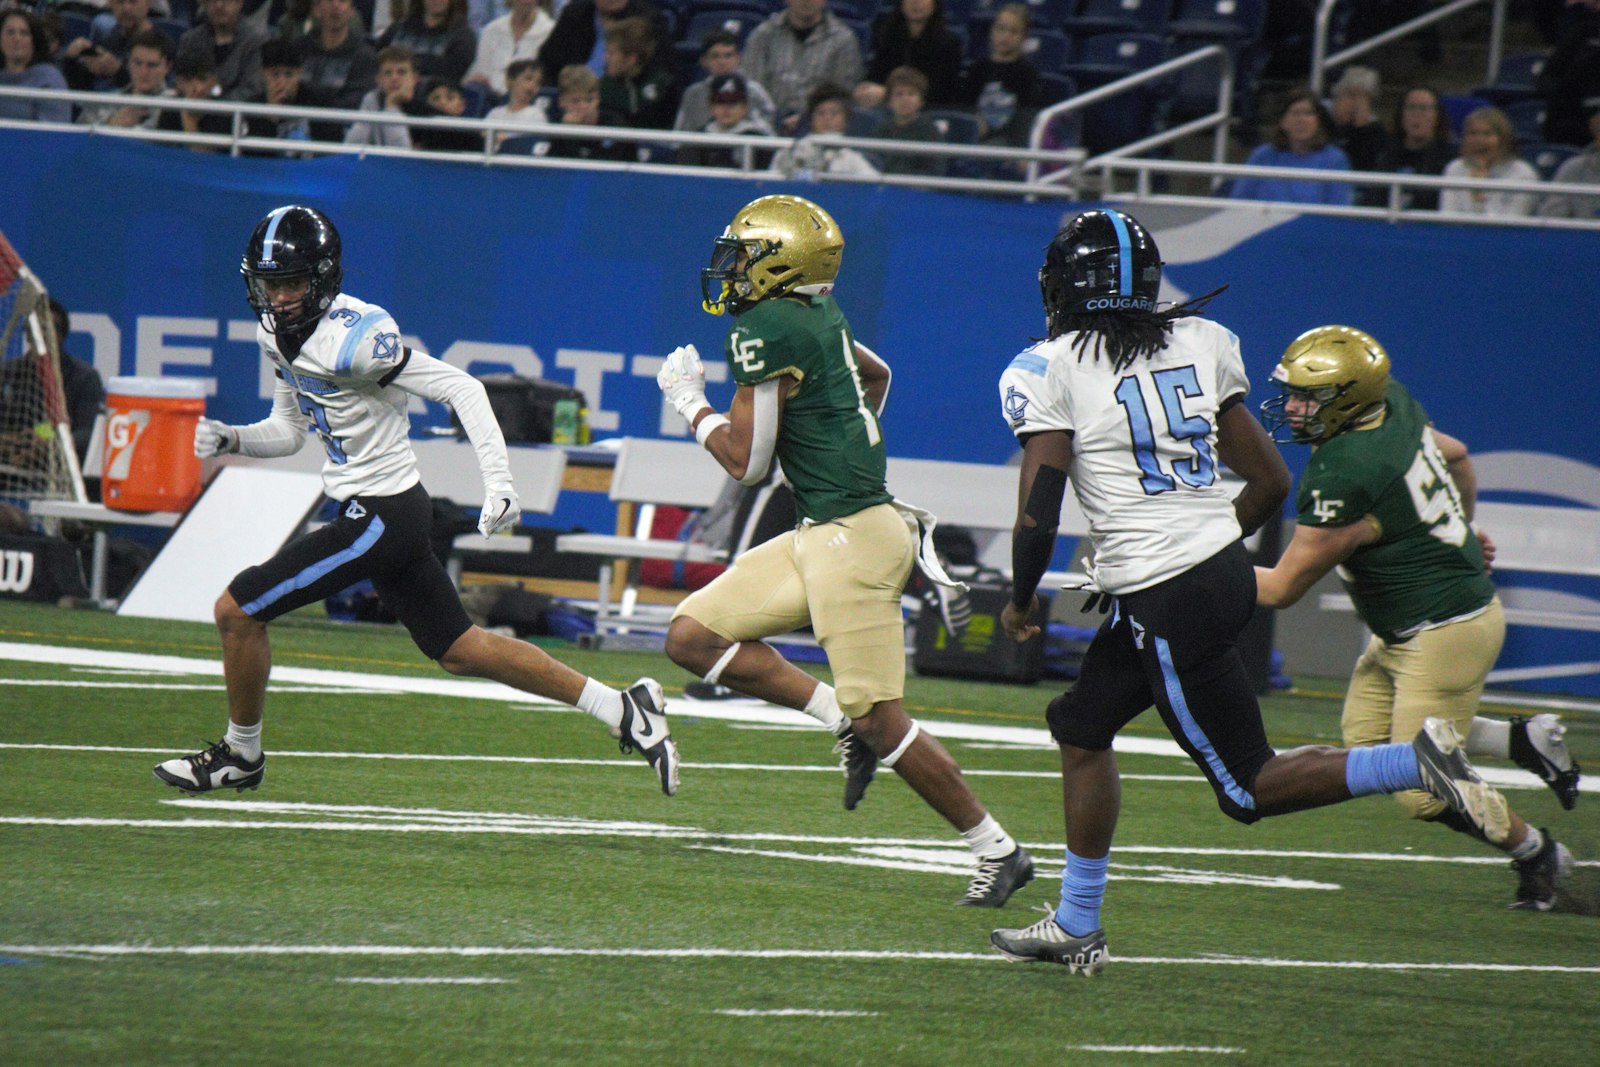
<point>775,246</point>
<point>1329,379</point>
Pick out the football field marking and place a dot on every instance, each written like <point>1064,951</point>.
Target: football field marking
<point>426,981</point>
<point>1157,1050</point>
<point>813,1013</point>
<point>709,953</point>
<point>435,685</point>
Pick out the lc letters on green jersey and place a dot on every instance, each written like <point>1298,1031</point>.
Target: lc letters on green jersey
<point>1427,565</point>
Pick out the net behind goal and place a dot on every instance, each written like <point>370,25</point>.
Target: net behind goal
<point>36,457</point>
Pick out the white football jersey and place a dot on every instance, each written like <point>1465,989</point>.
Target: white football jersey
<point>1144,446</point>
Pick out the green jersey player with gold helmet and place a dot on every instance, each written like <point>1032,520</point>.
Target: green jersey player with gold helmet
<point>808,398</point>
<point>1388,499</point>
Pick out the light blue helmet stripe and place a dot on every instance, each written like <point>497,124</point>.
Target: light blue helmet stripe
<point>1124,254</point>
<point>272,231</point>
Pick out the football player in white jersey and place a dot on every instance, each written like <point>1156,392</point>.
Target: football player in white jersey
<point>1137,407</point>
<point>344,375</point>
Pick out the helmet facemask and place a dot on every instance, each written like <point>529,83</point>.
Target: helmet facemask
<point>279,318</point>
<point>1331,379</point>
<point>726,282</point>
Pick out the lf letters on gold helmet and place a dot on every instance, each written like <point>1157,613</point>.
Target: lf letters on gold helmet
<point>775,246</point>
<point>1341,375</point>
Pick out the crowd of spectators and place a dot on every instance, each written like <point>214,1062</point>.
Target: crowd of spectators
<point>799,69</point>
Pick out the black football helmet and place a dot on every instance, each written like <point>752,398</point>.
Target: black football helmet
<point>1100,261</point>
<point>290,243</point>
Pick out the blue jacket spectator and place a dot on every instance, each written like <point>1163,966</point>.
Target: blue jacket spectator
<point>26,65</point>
<point>1303,141</point>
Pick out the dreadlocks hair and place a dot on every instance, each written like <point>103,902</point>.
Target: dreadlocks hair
<point>1125,336</point>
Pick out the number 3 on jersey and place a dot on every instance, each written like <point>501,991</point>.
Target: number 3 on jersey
<point>319,419</point>
<point>1171,387</point>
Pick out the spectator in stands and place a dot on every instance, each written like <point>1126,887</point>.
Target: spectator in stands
<point>27,65</point>
<point>905,121</point>
<point>99,61</point>
<point>234,48</point>
<point>393,95</point>
<point>1421,145</point>
<point>1356,128</point>
<point>280,71</point>
<point>913,34</point>
<point>337,64</point>
<point>730,114</point>
<point>195,74</point>
<point>1301,141</point>
<point>511,37</point>
<point>149,63</point>
<point>524,107</point>
<point>1581,169</point>
<point>443,99</point>
<point>827,112</point>
<point>637,89</point>
<point>579,34</point>
<point>299,20</point>
<point>578,97</point>
<point>1569,81</point>
<point>1003,89</point>
<point>798,49</point>
<point>1488,152</point>
<point>719,54</point>
<point>437,34</point>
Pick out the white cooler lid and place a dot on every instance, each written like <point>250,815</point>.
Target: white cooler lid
<point>170,388</point>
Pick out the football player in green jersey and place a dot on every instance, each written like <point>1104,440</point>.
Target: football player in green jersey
<point>1389,500</point>
<point>808,398</point>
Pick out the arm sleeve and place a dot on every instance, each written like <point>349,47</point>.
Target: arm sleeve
<point>422,375</point>
<point>1328,499</point>
<point>280,433</point>
<point>763,433</point>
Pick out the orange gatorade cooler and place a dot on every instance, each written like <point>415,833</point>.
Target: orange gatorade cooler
<point>150,463</point>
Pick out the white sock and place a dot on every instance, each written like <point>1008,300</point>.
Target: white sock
<point>245,740</point>
<point>601,701</point>
<point>1489,737</point>
<point>988,840</point>
<point>1530,844</point>
<point>824,707</point>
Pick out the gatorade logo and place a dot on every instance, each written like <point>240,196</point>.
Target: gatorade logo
<point>123,431</point>
<point>16,571</point>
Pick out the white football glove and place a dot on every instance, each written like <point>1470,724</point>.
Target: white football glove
<point>213,438</point>
<point>682,379</point>
<point>501,510</point>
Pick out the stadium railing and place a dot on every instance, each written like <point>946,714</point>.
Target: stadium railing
<point>1080,176</point>
<point>1322,62</point>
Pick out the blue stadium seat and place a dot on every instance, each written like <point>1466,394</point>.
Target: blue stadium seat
<point>1046,49</point>
<point>1219,20</point>
<point>863,31</point>
<point>1119,16</point>
<point>1106,57</point>
<point>74,26</point>
<point>1515,79</point>
<point>1045,14</point>
<point>1547,158</point>
<point>738,20</point>
<point>1457,108</point>
<point>476,94</point>
<point>1056,88</point>
<point>171,27</point>
<point>1527,119</point>
<point>958,127</point>
<point>695,7</point>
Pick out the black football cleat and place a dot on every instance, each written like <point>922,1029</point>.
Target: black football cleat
<point>215,767</point>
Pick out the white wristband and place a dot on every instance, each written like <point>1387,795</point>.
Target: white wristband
<point>707,426</point>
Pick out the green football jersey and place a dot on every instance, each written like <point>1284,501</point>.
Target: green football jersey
<point>829,443</point>
<point>1427,564</point>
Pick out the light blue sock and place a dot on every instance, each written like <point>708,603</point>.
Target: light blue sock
<point>1083,887</point>
<point>1382,769</point>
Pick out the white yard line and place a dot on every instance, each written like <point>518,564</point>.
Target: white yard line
<point>426,981</point>
<point>810,1013</point>
<point>709,953</point>
<point>1157,1050</point>
<point>437,685</point>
